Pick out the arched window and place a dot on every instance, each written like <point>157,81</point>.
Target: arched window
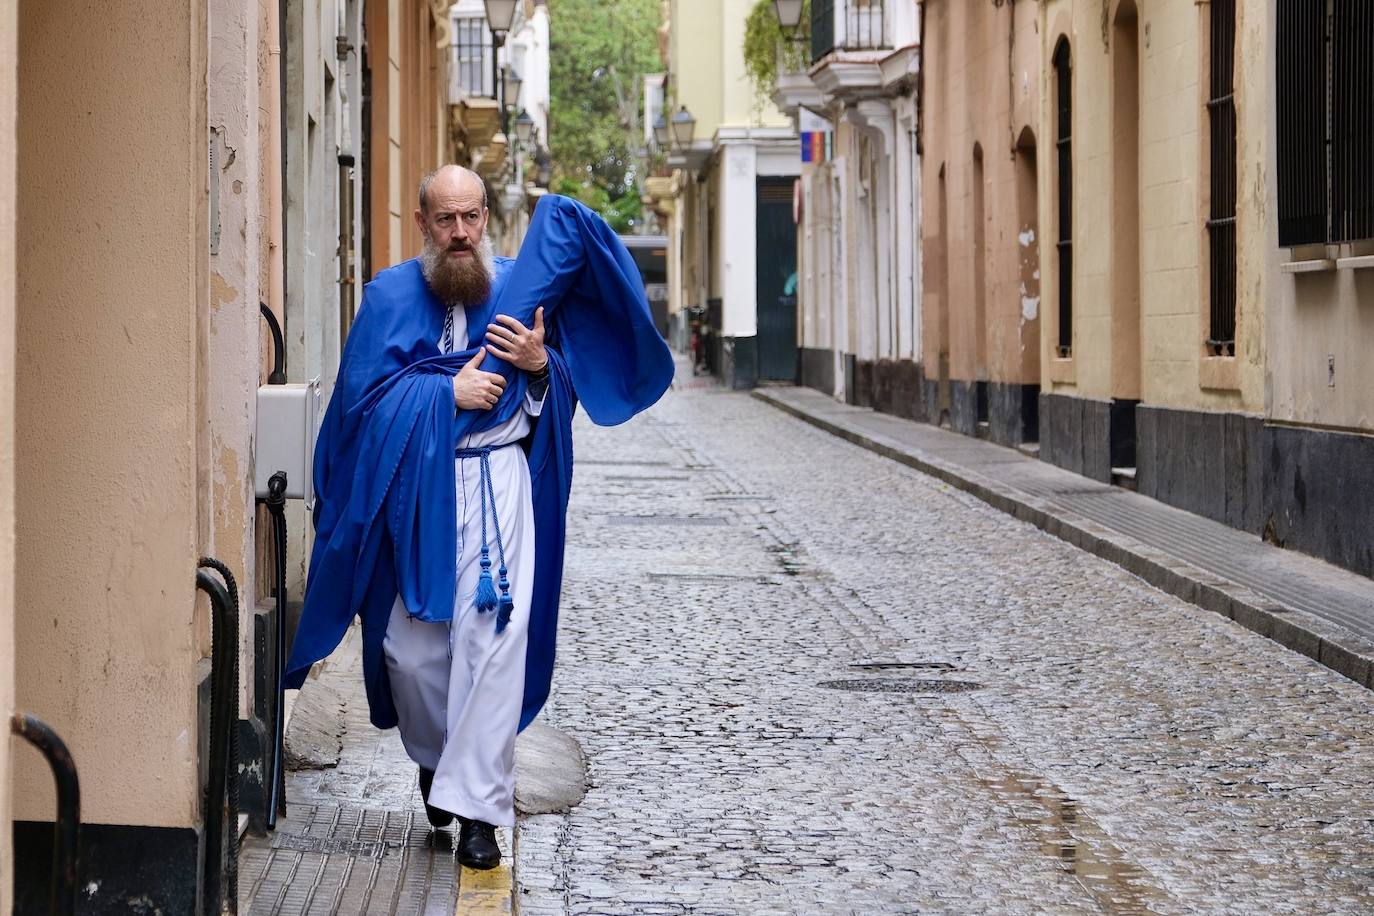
<point>1064,206</point>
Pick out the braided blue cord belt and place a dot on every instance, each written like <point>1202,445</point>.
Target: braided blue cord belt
<point>487,599</point>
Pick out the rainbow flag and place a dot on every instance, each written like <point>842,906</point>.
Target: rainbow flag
<point>817,138</point>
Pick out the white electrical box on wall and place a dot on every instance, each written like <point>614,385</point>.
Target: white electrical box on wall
<point>288,417</point>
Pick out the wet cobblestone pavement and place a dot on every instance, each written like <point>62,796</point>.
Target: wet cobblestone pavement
<point>731,573</point>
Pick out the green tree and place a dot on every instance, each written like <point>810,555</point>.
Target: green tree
<point>599,52</point>
<point>767,52</point>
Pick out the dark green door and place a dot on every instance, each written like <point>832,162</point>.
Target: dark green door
<point>776,242</point>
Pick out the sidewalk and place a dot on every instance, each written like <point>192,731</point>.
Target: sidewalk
<point>1320,610</point>
<point>355,839</point>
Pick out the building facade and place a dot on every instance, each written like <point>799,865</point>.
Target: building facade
<point>1208,205</point>
<point>208,161</point>
<point>981,315</point>
<point>730,226</point>
<point>490,86</point>
<point>858,204</point>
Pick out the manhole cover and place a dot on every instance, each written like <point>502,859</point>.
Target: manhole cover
<point>883,666</point>
<point>760,578</point>
<point>901,685</point>
<point>666,520</point>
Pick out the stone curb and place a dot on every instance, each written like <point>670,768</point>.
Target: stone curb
<point>1318,639</point>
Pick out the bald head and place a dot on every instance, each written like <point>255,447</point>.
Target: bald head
<point>451,181</point>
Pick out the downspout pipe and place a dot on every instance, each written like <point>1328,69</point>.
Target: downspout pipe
<point>276,117</point>
<point>62,897</point>
<point>276,507</point>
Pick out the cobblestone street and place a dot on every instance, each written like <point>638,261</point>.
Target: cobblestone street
<point>808,679</point>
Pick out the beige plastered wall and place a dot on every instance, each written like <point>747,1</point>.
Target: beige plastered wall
<point>1314,317</point>
<point>112,292</point>
<point>696,52</point>
<point>234,344</point>
<point>982,86</point>
<point>1170,212</point>
<point>408,113</point>
<point>8,22</point>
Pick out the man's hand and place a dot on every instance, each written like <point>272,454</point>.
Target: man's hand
<point>474,389</point>
<point>518,345</point>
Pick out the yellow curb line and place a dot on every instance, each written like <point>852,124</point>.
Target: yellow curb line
<point>490,891</point>
<point>483,892</point>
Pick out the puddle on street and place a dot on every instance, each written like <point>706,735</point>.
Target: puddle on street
<point>1076,841</point>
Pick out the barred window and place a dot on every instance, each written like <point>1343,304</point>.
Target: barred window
<point>1221,224</point>
<point>1064,244</point>
<point>472,57</point>
<point>1325,121</point>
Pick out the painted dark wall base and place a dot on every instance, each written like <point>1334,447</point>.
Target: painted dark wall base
<point>1318,493</point>
<point>119,869</point>
<point>1307,489</point>
<point>1075,434</point>
<point>891,386</point>
<point>1011,410</point>
<point>1013,413</point>
<point>738,360</point>
<point>817,369</point>
<point>1204,462</point>
<point>963,407</point>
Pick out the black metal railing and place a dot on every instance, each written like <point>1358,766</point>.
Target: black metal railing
<point>862,25</point>
<point>1325,121</point>
<point>1221,222</point>
<point>1352,120</point>
<point>67,827</point>
<point>1064,148</point>
<point>219,879</point>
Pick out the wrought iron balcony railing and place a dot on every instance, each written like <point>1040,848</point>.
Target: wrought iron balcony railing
<point>847,25</point>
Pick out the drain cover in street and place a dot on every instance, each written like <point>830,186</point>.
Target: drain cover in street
<point>666,520</point>
<point>901,685</point>
<point>883,666</point>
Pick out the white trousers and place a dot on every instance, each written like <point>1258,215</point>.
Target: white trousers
<point>459,687</point>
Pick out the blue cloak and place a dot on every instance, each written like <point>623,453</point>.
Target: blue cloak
<point>384,485</point>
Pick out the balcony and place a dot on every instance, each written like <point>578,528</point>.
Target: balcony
<point>847,25</point>
<point>849,39</point>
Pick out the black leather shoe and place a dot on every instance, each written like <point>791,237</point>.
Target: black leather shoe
<point>438,817</point>
<point>477,844</point>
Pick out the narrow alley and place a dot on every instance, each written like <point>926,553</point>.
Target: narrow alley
<point>807,679</point>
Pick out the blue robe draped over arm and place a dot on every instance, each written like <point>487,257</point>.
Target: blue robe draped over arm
<point>384,480</point>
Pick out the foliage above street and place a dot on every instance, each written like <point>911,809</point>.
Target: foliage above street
<point>600,51</point>
<point>768,52</point>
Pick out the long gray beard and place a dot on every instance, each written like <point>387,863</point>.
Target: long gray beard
<point>463,282</point>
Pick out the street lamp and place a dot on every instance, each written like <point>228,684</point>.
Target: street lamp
<point>510,85</point>
<point>789,14</point>
<point>524,126</point>
<point>500,15</point>
<point>661,135</point>
<point>684,127</point>
<point>543,163</point>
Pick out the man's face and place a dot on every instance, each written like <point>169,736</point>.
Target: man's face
<point>454,220</point>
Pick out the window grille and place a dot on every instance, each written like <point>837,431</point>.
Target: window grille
<point>1325,121</point>
<point>1221,225</point>
<point>1352,120</point>
<point>864,26</point>
<point>1064,245</point>
<point>472,58</point>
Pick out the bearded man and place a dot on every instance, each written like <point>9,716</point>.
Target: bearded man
<point>442,480</point>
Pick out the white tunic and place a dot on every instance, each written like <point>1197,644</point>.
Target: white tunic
<point>459,686</point>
